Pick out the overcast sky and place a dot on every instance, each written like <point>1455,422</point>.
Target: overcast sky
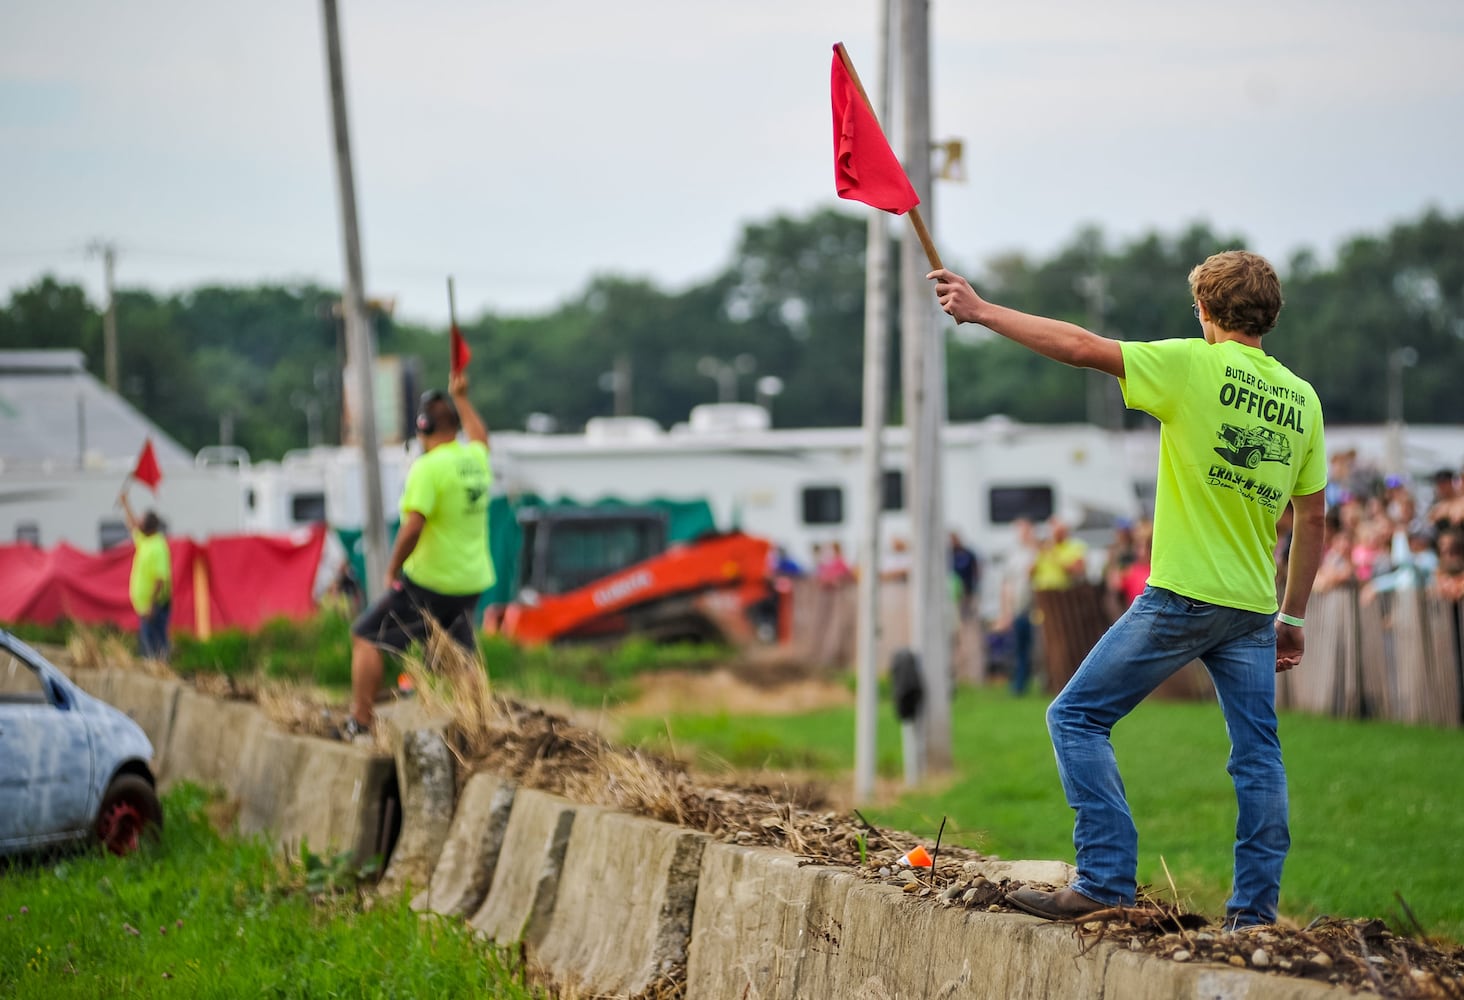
<point>524,147</point>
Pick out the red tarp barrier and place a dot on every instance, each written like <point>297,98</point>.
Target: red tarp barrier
<point>248,578</point>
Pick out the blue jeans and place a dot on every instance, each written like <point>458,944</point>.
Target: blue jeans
<point>1022,651</point>
<point>1159,634</point>
<point>153,634</point>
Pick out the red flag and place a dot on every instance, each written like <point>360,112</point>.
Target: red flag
<point>460,353</point>
<point>865,168</point>
<point>146,471</point>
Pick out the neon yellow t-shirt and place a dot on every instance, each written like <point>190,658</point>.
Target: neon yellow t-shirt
<point>1240,436</point>
<point>1050,571</point>
<point>449,487</point>
<point>151,562</point>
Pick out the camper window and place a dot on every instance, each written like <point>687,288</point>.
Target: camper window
<point>27,533</point>
<point>307,508</point>
<point>110,533</point>
<point>823,505</point>
<point>1011,502</point>
<point>892,490</point>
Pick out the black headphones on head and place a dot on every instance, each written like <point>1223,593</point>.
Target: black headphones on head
<point>425,422</point>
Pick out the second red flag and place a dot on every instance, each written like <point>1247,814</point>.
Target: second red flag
<point>865,168</point>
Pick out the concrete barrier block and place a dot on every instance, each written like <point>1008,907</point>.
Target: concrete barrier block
<point>895,946</point>
<point>267,784</point>
<point>1149,977</point>
<point>637,876</point>
<point>769,927</point>
<point>526,882</point>
<point>760,918</point>
<point>469,858</point>
<point>426,777</point>
<point>210,741</point>
<point>150,701</point>
<point>303,790</point>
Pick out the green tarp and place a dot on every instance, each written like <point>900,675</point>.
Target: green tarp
<point>685,520</point>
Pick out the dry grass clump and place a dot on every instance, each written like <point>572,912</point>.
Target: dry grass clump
<point>295,708</point>
<point>226,687</point>
<point>539,750</point>
<point>452,682</point>
<point>91,648</point>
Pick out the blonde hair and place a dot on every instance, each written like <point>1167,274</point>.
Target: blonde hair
<point>1240,291</point>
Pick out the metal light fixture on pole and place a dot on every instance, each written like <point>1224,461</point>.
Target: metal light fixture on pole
<point>726,373</point>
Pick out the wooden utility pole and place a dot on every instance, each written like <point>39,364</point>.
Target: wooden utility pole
<point>360,340</point>
<point>108,253</point>
<point>876,369</point>
<point>925,409</point>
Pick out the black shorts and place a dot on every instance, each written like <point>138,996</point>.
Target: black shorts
<point>399,617</point>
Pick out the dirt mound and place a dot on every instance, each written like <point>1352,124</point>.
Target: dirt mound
<point>542,750</point>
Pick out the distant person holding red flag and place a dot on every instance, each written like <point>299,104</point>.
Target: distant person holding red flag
<point>151,584</point>
<point>439,565</point>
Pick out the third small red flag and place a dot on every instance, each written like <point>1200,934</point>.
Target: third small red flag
<point>147,471</point>
<point>461,355</point>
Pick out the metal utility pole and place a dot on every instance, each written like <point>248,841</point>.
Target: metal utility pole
<point>876,368</point>
<point>360,340</point>
<point>1105,401</point>
<point>925,409</point>
<point>108,252</point>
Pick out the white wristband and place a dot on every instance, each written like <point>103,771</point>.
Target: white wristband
<point>1286,619</point>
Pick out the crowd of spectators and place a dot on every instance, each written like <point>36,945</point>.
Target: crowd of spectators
<point>1383,536</point>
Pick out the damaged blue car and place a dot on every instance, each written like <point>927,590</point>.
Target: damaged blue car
<point>72,768</point>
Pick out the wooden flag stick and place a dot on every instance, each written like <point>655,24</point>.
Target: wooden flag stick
<point>915,218</point>
<point>451,303</point>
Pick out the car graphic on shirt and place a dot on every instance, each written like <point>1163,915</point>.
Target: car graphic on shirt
<point>1248,447</point>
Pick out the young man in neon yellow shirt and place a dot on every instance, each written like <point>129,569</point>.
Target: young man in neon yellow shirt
<point>439,565</point>
<point>1241,438</point>
<point>150,586</point>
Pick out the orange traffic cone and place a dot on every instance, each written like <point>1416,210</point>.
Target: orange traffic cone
<point>917,858</point>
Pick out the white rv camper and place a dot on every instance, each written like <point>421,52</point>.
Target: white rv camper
<point>803,487</point>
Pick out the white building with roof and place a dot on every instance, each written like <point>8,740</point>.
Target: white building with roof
<point>67,446</point>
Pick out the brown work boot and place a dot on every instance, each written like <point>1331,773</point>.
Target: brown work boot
<point>1064,904</point>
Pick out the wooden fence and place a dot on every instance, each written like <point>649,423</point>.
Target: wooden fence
<point>825,629</point>
<point>1395,657</point>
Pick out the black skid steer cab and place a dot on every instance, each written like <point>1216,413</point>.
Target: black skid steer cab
<point>1248,447</point>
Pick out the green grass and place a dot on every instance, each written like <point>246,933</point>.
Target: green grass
<point>200,916</point>
<point>587,675</point>
<point>1375,807</point>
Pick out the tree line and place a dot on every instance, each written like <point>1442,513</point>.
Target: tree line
<point>254,362</point>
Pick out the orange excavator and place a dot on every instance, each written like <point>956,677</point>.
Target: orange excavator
<point>589,574</point>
